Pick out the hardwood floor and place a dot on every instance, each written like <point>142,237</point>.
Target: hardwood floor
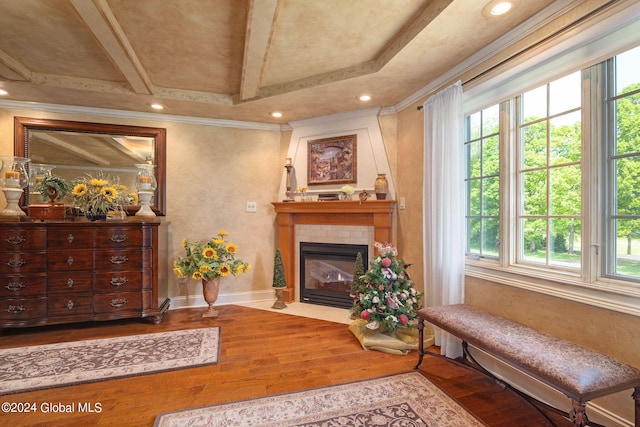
<point>262,353</point>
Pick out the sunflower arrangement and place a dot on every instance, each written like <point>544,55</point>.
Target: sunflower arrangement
<point>207,259</point>
<point>99,194</point>
<point>384,296</point>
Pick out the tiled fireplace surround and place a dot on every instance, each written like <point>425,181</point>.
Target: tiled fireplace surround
<point>345,222</point>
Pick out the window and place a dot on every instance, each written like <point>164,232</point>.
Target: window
<point>565,204</point>
<point>483,182</point>
<point>549,174</point>
<point>622,247</point>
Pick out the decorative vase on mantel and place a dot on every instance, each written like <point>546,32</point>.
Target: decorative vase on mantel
<point>381,187</point>
<point>210,290</point>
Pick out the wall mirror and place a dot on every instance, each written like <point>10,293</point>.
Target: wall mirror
<point>74,149</point>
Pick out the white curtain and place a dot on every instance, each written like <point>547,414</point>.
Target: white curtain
<point>444,203</point>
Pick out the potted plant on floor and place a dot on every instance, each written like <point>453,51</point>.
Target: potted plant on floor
<point>279,281</point>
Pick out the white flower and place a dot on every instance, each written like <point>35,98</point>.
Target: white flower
<point>347,189</point>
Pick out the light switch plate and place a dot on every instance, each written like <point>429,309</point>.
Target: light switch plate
<point>252,207</point>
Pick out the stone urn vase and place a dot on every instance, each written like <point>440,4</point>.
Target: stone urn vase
<point>279,303</point>
<point>210,290</point>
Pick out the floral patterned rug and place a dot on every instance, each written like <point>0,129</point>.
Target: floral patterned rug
<point>408,400</point>
<point>54,365</point>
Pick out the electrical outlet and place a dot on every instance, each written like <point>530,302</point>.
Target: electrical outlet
<point>252,207</point>
<point>403,203</point>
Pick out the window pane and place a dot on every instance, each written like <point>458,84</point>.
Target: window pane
<point>473,126</point>
<point>490,196</point>
<point>490,120</point>
<point>628,247</point>
<point>565,190</point>
<point>565,138</point>
<point>475,197</point>
<point>535,192</point>
<point>564,94</point>
<point>627,66</point>
<point>491,156</point>
<point>473,160</point>
<point>628,186</point>
<point>473,232</point>
<point>534,104</point>
<point>490,236</point>
<point>565,242</point>
<point>534,145</point>
<point>628,124</point>
<point>534,241</point>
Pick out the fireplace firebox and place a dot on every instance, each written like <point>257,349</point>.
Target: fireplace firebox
<point>326,272</point>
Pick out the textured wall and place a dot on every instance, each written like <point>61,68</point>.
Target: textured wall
<point>211,173</point>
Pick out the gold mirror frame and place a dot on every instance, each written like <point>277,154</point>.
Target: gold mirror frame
<point>23,125</point>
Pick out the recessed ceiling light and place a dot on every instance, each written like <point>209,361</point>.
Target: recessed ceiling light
<point>276,114</point>
<point>3,92</point>
<point>501,8</point>
<point>364,98</point>
<point>157,106</point>
<point>496,8</point>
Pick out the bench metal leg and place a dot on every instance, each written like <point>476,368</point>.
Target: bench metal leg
<point>636,397</point>
<point>420,341</point>
<point>579,413</point>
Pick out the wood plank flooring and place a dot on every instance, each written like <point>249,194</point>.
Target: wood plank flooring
<point>262,353</point>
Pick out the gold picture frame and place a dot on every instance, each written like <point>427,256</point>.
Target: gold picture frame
<point>332,160</point>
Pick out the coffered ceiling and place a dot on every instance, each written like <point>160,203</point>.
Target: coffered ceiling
<point>241,59</point>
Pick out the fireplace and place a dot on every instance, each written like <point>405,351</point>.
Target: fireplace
<point>326,272</point>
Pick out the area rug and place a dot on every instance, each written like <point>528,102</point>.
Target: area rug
<point>408,399</point>
<point>53,365</point>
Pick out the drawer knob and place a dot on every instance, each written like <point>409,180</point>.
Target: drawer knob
<point>16,309</point>
<point>16,240</point>
<point>70,304</point>
<point>70,238</point>
<point>119,259</point>
<point>118,238</point>
<point>15,263</point>
<point>70,260</point>
<point>118,302</point>
<point>13,286</point>
<point>70,282</point>
<point>118,281</point>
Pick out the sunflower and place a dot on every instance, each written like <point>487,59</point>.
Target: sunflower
<point>79,190</point>
<point>209,253</point>
<point>109,194</point>
<point>224,270</point>
<point>231,248</point>
<point>98,182</point>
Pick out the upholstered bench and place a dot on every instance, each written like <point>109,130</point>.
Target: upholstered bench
<point>580,373</point>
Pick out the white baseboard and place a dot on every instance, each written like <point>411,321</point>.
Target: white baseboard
<point>616,410</point>
<point>223,299</point>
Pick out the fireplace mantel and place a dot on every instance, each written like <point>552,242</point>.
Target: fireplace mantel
<point>376,213</point>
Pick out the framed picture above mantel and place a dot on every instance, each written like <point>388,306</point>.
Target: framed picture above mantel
<point>332,160</point>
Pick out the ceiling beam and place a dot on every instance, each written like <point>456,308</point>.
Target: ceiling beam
<point>11,69</point>
<point>99,19</point>
<point>260,23</point>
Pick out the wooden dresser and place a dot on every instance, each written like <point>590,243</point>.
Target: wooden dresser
<point>62,272</point>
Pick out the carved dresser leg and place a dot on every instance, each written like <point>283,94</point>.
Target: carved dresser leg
<point>636,397</point>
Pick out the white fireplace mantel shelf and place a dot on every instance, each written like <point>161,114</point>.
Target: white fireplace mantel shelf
<point>376,213</point>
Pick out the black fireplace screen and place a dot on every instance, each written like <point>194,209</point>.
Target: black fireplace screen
<point>326,272</point>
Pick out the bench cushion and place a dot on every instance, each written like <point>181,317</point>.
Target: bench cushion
<point>579,372</point>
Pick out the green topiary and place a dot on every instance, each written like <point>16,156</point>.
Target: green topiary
<point>279,280</point>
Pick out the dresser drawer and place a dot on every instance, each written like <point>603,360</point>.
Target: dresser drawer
<point>122,236</point>
<point>72,281</point>
<point>71,304</point>
<point>23,308</point>
<point>23,286</point>
<point>118,260</point>
<point>118,281</point>
<point>22,239</point>
<point>70,238</point>
<point>23,263</point>
<point>70,260</point>
<point>115,302</point>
